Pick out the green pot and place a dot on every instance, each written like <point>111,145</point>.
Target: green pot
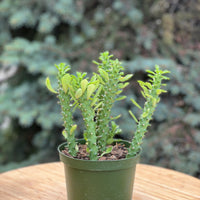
<point>99,180</point>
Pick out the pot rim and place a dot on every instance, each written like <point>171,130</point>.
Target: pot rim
<point>97,165</point>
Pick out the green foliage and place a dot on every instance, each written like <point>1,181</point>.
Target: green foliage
<point>111,77</point>
<point>140,33</point>
<point>151,92</point>
<point>96,97</point>
<point>65,100</point>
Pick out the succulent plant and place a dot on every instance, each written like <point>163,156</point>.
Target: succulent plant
<point>151,92</point>
<point>95,97</point>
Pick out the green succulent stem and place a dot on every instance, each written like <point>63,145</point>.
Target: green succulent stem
<point>65,102</point>
<point>110,73</point>
<point>82,92</point>
<point>90,133</point>
<point>151,92</point>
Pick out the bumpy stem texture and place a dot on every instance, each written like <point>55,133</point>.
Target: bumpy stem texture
<point>151,93</point>
<point>67,116</point>
<point>82,93</point>
<point>110,76</point>
<point>90,134</point>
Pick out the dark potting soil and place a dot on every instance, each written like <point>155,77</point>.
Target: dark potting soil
<point>119,151</point>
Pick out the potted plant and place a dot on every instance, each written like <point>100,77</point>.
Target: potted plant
<point>100,167</point>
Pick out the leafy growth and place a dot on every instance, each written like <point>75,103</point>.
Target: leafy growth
<point>151,92</point>
<point>95,98</point>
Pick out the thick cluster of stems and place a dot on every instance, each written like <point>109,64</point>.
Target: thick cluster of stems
<point>95,97</point>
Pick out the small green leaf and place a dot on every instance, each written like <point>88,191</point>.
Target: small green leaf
<point>155,101</point>
<point>143,94</point>
<point>136,104</point>
<point>104,74</point>
<point>96,83</point>
<point>98,105</point>
<point>48,85</point>
<point>142,85</point>
<point>159,91</point>
<point>110,141</point>
<point>90,90</point>
<point>158,100</point>
<point>157,68</point>
<point>79,93</point>
<point>115,129</point>
<point>94,101</point>
<point>117,117</point>
<point>76,105</point>
<point>150,72</point>
<point>76,148</point>
<point>121,98</point>
<point>100,79</point>
<point>165,77</point>
<point>73,128</point>
<point>114,125</point>
<point>125,78</point>
<point>84,84</point>
<point>133,116</point>
<point>96,95</point>
<point>87,150</point>
<point>71,89</point>
<point>85,136</point>
<point>108,150</point>
<point>93,78</point>
<point>95,62</point>
<point>148,85</point>
<point>151,76</point>
<point>117,140</point>
<point>166,72</point>
<point>121,85</point>
<point>64,134</point>
<point>144,114</point>
<point>119,92</point>
<point>65,80</point>
<point>63,68</point>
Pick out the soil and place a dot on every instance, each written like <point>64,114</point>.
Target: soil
<point>119,151</point>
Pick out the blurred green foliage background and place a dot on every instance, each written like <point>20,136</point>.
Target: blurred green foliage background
<point>35,35</point>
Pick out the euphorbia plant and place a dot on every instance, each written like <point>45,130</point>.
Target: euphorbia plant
<point>95,97</point>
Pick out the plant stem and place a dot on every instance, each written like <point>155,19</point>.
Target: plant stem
<point>67,115</point>
<point>90,134</point>
<point>111,75</point>
<point>151,93</point>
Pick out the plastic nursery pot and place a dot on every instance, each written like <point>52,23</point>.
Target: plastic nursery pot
<point>99,180</point>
